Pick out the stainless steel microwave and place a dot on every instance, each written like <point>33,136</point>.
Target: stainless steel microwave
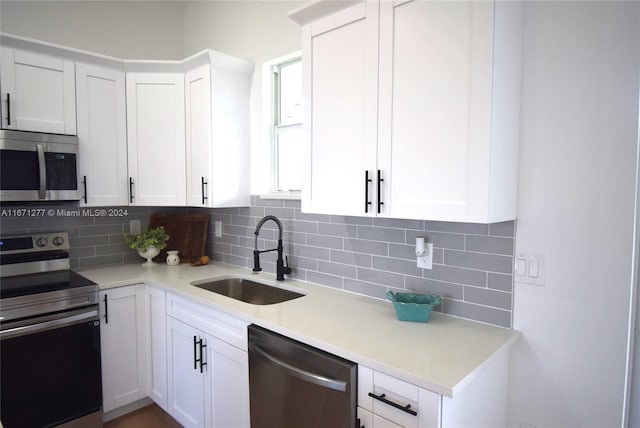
<point>38,167</point>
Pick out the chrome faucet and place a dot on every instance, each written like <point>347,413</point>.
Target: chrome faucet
<point>281,268</point>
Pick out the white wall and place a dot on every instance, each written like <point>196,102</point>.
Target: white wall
<point>123,29</point>
<point>256,30</point>
<point>576,201</point>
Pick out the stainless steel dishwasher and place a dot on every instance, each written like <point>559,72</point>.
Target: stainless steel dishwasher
<point>294,385</point>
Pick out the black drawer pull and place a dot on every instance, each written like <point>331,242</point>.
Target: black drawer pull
<point>406,408</point>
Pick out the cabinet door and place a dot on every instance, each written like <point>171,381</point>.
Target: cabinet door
<point>156,140</point>
<point>435,109</point>
<point>102,135</point>
<point>189,389</point>
<point>198,134</point>
<point>38,92</point>
<point>230,376</point>
<point>157,345</point>
<point>124,362</point>
<point>340,86</point>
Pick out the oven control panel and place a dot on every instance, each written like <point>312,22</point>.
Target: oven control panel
<point>34,243</point>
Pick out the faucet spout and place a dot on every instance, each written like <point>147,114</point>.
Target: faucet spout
<point>281,268</point>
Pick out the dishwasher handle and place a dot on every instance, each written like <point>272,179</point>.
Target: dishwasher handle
<point>302,374</point>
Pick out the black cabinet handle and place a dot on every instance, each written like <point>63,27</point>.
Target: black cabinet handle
<point>106,310</point>
<point>382,398</point>
<point>380,180</point>
<point>367,202</point>
<point>197,360</point>
<point>130,190</point>
<point>8,109</point>
<point>84,184</point>
<point>203,184</point>
<point>195,357</point>
<point>203,346</point>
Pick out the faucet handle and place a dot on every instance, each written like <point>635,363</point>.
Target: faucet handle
<point>286,268</point>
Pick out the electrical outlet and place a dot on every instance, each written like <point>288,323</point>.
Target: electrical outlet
<point>426,261</point>
<point>218,228</point>
<point>135,227</point>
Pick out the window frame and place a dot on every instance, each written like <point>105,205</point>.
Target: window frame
<point>273,68</point>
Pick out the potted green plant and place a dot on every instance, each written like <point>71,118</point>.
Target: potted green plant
<point>148,243</point>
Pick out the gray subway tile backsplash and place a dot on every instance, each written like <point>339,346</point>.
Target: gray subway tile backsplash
<point>381,234</point>
<point>480,261</point>
<point>490,244</point>
<point>505,228</point>
<point>350,258</point>
<point>472,270</point>
<point>381,277</point>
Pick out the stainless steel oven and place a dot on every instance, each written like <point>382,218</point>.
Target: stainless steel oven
<point>50,372</point>
<point>294,385</point>
<point>38,167</point>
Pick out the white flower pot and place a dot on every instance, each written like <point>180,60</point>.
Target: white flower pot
<point>149,254</point>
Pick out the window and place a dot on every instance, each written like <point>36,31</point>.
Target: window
<point>287,150</point>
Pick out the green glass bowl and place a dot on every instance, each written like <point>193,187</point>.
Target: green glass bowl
<point>412,306</point>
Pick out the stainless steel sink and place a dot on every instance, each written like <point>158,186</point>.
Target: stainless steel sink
<point>248,291</point>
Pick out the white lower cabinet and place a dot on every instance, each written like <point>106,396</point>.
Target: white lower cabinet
<point>189,376</point>
<point>156,318</point>
<point>124,356</point>
<point>482,402</point>
<point>207,366</point>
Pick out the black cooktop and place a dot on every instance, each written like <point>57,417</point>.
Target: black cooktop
<point>24,285</point>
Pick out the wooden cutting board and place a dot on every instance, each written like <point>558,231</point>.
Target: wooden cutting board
<point>187,234</point>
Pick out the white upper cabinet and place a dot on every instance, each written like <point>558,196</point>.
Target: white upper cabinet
<point>38,92</point>
<point>156,139</point>
<point>102,134</point>
<point>340,57</point>
<point>445,109</point>
<point>217,132</point>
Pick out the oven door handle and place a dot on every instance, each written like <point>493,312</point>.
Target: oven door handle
<point>78,317</point>
<point>304,375</point>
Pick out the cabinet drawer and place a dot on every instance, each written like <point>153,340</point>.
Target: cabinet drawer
<point>222,326</point>
<point>390,392</point>
<point>398,392</point>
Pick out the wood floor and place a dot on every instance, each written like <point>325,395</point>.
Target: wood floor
<point>151,416</point>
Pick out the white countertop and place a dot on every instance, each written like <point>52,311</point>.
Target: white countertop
<point>441,355</point>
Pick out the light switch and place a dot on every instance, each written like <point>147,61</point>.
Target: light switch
<point>218,228</point>
<point>534,270</point>
<point>529,268</point>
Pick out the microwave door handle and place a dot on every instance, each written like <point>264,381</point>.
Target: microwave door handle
<point>42,191</point>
